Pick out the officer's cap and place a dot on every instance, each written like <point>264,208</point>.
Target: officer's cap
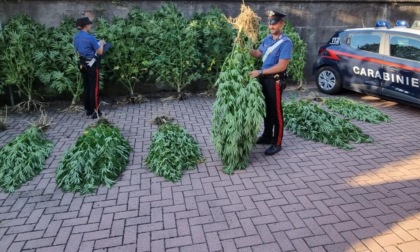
<point>81,22</point>
<point>274,16</point>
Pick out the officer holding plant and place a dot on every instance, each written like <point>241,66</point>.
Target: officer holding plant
<point>276,52</point>
<point>89,50</point>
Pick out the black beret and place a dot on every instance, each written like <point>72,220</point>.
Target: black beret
<point>81,22</point>
<point>274,16</point>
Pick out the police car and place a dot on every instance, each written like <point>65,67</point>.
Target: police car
<point>381,61</point>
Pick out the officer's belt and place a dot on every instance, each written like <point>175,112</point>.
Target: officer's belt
<point>273,76</point>
<point>84,58</point>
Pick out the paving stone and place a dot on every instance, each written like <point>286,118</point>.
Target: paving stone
<point>213,241</point>
<point>270,247</point>
<point>87,246</point>
<point>17,246</point>
<point>144,242</point>
<point>183,227</point>
<point>125,248</point>
<point>19,229</point>
<point>62,236</point>
<point>38,243</point>
<point>95,235</point>
<point>6,241</point>
<point>109,242</point>
<point>29,236</point>
<point>248,241</point>
<point>158,245</point>
<point>130,235</point>
<point>117,227</point>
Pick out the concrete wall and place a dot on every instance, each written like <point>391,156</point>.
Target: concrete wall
<point>315,20</point>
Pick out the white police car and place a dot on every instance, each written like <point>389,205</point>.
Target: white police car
<point>380,61</point>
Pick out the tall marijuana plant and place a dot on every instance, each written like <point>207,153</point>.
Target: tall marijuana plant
<point>23,158</point>
<point>58,63</point>
<point>128,61</point>
<point>21,38</point>
<point>215,42</point>
<point>173,42</point>
<point>238,110</point>
<point>172,151</point>
<point>310,121</point>
<point>239,107</point>
<point>98,157</point>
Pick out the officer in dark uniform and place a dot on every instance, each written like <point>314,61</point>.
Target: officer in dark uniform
<point>276,52</point>
<point>89,50</point>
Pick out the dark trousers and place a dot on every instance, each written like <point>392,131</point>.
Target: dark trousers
<point>90,77</point>
<point>273,121</point>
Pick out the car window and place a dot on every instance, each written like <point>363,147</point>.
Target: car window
<point>365,42</point>
<point>405,47</point>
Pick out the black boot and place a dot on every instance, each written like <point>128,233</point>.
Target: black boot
<point>264,140</point>
<point>272,150</point>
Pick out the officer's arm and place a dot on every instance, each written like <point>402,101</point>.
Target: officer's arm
<point>255,53</point>
<point>278,68</point>
<point>100,50</point>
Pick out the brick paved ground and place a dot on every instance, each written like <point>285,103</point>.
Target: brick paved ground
<point>310,197</point>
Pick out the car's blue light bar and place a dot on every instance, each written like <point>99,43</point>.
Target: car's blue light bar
<point>402,23</point>
<point>382,24</point>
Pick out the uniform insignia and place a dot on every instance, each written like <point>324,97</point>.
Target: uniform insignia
<point>270,13</point>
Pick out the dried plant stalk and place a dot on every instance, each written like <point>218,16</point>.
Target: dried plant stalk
<point>3,118</point>
<point>43,122</point>
<point>248,22</point>
<point>163,116</point>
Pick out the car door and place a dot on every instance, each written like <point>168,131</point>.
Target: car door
<point>401,71</point>
<point>362,61</point>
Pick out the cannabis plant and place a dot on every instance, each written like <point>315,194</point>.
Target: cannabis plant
<point>172,151</point>
<point>128,61</point>
<point>98,157</point>
<point>308,120</point>
<point>173,42</point>
<point>355,110</point>
<point>21,38</point>
<point>23,158</point>
<point>58,63</point>
<point>215,42</point>
<point>238,110</point>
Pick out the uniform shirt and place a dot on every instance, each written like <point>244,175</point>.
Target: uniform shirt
<point>283,51</point>
<point>85,44</point>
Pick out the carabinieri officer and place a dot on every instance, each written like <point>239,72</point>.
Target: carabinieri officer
<point>276,52</point>
<point>89,49</point>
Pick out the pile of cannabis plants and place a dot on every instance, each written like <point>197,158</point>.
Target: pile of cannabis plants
<point>172,151</point>
<point>23,158</point>
<point>98,157</point>
<point>310,121</point>
<point>354,110</point>
<point>239,107</point>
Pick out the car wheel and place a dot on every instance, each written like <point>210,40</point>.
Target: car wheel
<point>328,80</point>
